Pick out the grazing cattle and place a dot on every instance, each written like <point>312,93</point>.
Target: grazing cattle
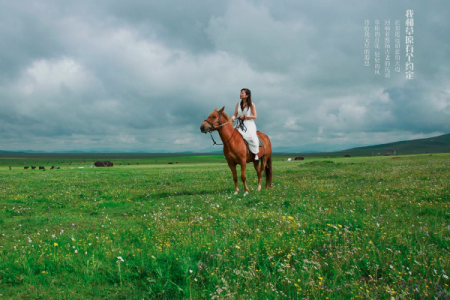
<point>57,168</point>
<point>33,167</point>
<point>346,155</point>
<point>26,168</point>
<point>299,158</point>
<point>41,168</point>
<point>103,164</point>
<point>170,163</point>
<point>52,168</point>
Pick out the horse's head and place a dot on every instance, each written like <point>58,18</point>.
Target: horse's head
<point>214,121</point>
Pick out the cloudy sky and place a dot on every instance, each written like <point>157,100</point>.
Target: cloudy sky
<point>143,75</point>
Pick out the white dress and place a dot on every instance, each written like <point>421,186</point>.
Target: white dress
<point>250,135</point>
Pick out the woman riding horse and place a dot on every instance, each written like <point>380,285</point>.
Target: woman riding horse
<point>236,151</point>
<point>246,112</point>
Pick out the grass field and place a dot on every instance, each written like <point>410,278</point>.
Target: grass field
<point>335,228</point>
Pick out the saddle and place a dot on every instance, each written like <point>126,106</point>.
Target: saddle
<point>261,143</point>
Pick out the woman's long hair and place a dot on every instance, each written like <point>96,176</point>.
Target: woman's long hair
<point>249,99</point>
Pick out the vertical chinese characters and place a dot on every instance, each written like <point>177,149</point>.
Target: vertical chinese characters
<point>409,41</point>
<point>366,43</point>
<point>387,48</point>
<point>377,48</point>
<point>391,34</point>
<point>397,46</point>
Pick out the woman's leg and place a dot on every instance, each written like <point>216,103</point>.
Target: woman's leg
<point>254,145</point>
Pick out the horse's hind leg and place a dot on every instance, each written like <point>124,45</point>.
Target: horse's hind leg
<point>258,172</point>
<point>235,179</point>
<point>263,166</point>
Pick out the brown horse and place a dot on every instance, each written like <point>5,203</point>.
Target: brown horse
<point>236,151</point>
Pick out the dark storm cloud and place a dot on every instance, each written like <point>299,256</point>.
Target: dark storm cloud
<point>143,75</point>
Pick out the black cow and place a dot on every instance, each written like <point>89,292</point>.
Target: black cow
<point>103,164</point>
<point>41,168</point>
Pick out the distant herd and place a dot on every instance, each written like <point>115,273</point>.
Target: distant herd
<point>40,168</point>
<point>96,164</point>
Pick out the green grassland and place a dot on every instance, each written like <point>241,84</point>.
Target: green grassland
<point>330,228</point>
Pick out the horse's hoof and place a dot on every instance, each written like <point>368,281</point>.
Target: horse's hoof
<point>245,194</point>
<point>235,193</point>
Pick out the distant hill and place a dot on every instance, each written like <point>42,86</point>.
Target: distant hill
<point>438,144</point>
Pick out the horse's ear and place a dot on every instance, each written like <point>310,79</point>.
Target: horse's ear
<point>221,110</point>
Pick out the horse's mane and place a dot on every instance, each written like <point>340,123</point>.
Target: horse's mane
<point>224,114</point>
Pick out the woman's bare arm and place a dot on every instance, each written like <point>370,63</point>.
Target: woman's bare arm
<point>235,113</point>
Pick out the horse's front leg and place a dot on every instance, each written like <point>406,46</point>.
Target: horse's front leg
<point>258,172</point>
<point>235,179</point>
<point>243,176</point>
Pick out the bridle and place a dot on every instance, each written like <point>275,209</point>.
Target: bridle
<point>215,128</point>
<point>218,121</point>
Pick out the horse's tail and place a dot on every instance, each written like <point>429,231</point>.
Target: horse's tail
<point>268,170</point>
